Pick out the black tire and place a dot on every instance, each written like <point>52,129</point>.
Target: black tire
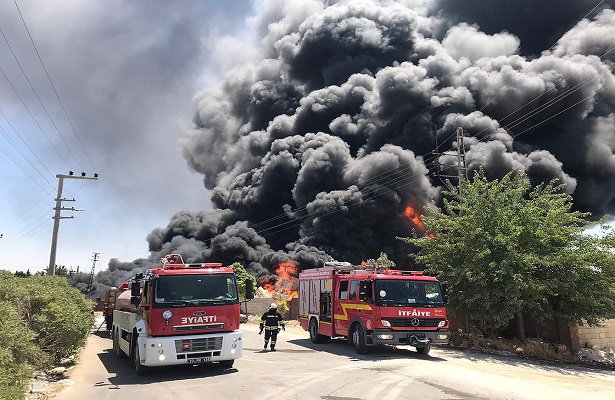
<point>357,337</point>
<point>423,350</point>
<point>313,328</point>
<point>227,363</point>
<point>139,368</point>
<point>119,353</point>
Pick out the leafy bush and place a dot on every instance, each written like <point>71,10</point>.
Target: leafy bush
<point>17,352</point>
<point>57,316</point>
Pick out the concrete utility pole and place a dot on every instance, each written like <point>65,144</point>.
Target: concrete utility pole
<point>56,218</point>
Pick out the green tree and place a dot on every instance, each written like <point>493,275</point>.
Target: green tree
<point>383,260</point>
<point>505,249</point>
<point>242,275</point>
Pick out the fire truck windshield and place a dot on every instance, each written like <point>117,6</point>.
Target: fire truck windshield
<point>182,290</point>
<point>406,293</point>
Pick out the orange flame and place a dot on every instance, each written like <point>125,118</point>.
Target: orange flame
<point>416,219</point>
<point>285,282</point>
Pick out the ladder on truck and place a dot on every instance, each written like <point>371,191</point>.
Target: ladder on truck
<point>346,268</point>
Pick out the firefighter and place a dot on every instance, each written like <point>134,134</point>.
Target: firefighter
<point>271,322</point>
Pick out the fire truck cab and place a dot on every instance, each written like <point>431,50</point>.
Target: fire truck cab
<point>371,305</point>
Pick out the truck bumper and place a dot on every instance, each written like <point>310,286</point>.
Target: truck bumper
<point>193,349</point>
<point>409,338</point>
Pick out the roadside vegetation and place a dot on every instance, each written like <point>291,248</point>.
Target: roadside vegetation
<point>507,251</point>
<point>43,321</point>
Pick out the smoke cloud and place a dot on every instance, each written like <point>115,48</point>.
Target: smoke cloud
<point>315,150</point>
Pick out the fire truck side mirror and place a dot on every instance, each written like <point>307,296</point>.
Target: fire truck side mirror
<point>445,293</point>
<point>249,289</point>
<point>135,293</point>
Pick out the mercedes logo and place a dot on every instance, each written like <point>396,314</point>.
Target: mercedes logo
<point>198,313</point>
<point>415,322</point>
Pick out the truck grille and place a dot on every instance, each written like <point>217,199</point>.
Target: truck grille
<point>185,328</point>
<point>202,344</point>
<point>407,322</point>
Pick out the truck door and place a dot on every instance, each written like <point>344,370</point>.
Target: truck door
<point>341,317</point>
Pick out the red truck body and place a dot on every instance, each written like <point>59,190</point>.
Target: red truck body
<point>372,305</point>
<point>179,314</point>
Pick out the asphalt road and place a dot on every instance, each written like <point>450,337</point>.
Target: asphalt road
<point>333,371</point>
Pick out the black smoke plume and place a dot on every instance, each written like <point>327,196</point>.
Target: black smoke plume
<point>315,150</point>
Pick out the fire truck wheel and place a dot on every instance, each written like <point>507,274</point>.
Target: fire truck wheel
<point>314,336</point>
<point>139,368</point>
<point>358,339</point>
<point>423,350</point>
<point>227,363</point>
<point>119,353</point>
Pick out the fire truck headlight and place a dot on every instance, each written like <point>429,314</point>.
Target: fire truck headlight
<point>441,324</point>
<point>233,351</point>
<point>160,351</point>
<point>442,336</point>
<point>162,357</point>
<point>234,339</point>
<point>167,314</point>
<point>384,322</point>
<point>234,345</point>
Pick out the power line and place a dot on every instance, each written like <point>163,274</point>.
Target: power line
<point>54,88</point>
<point>40,101</point>
<point>533,62</point>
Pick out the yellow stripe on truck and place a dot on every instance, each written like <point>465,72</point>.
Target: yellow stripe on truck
<point>344,316</point>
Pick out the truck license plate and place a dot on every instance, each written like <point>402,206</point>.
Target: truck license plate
<point>200,360</point>
<point>418,335</point>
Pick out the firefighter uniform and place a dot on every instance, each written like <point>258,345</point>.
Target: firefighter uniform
<point>271,322</point>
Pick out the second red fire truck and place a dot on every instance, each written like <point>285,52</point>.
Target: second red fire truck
<point>372,305</point>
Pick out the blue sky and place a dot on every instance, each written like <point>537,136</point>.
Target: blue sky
<point>126,73</point>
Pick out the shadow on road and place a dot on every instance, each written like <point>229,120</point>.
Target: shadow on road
<point>125,374</point>
<point>341,347</point>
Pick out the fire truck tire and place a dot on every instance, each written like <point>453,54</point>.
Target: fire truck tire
<point>423,350</point>
<point>315,337</point>
<point>139,368</point>
<point>227,363</point>
<point>119,353</point>
<point>358,338</point>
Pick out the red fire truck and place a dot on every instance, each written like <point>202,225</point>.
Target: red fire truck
<point>109,304</point>
<point>371,305</point>
<point>179,314</point>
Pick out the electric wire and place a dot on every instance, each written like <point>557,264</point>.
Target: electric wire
<point>8,139</point>
<point>54,89</point>
<point>41,103</point>
<point>533,62</point>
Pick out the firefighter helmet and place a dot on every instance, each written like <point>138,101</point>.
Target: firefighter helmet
<point>273,305</point>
